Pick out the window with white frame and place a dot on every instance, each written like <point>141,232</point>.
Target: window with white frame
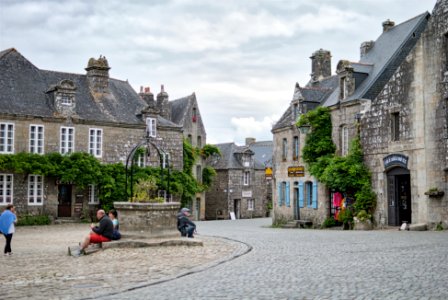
<point>141,160</point>
<point>246,178</point>
<point>151,127</point>
<point>35,190</point>
<point>93,194</point>
<point>6,138</point>
<point>343,88</point>
<point>250,204</point>
<point>166,160</point>
<point>37,139</point>
<point>6,183</point>
<point>66,100</point>
<point>67,144</point>
<point>96,142</point>
<point>344,140</point>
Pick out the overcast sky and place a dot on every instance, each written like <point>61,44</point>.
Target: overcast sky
<point>241,58</point>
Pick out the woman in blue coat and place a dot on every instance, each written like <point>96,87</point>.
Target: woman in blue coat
<point>7,220</point>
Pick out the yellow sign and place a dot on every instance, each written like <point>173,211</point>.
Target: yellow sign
<point>268,173</point>
<point>296,171</point>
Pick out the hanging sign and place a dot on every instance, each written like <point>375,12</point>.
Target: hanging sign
<point>298,171</point>
<point>395,160</point>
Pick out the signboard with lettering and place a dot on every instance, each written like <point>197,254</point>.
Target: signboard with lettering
<point>247,194</point>
<point>298,171</point>
<point>395,160</point>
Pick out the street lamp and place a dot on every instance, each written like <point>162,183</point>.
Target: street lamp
<point>305,128</point>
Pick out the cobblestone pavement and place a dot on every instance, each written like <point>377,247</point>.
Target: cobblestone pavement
<point>315,264</point>
<point>40,267</point>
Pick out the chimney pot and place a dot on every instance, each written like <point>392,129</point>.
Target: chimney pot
<point>387,25</point>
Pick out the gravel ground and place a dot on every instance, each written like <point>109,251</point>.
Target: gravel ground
<point>40,267</point>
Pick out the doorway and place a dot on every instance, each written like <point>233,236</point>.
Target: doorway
<point>399,197</point>
<point>296,203</point>
<point>64,200</point>
<point>198,209</point>
<point>236,208</point>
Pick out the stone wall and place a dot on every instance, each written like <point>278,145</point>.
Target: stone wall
<point>286,213</point>
<point>217,196</point>
<point>148,219</point>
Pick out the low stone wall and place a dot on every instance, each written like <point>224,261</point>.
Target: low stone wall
<point>148,219</point>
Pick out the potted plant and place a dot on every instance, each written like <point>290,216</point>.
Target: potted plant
<point>363,221</point>
<point>435,192</point>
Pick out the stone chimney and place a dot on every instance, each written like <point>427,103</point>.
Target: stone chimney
<point>387,25</point>
<point>320,64</point>
<point>163,104</point>
<point>365,47</point>
<point>98,74</point>
<point>147,96</point>
<point>250,141</point>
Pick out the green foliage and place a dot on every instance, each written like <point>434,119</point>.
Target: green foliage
<point>318,142</point>
<point>363,216</point>
<point>329,222</point>
<point>209,150</point>
<point>189,157</point>
<point>145,190</point>
<point>345,174</point>
<point>207,176</point>
<point>439,227</point>
<point>346,217</point>
<point>28,220</point>
<point>82,169</point>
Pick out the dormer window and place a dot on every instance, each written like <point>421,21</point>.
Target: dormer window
<point>66,99</point>
<point>151,127</point>
<point>343,88</point>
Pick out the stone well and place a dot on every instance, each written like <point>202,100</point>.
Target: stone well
<point>148,219</point>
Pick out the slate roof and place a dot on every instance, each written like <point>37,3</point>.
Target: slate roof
<point>228,160</point>
<point>383,59</point>
<point>263,152</point>
<point>371,73</point>
<point>23,92</point>
<point>181,111</point>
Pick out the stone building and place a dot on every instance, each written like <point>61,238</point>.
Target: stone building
<point>240,186</point>
<point>47,111</point>
<point>395,98</point>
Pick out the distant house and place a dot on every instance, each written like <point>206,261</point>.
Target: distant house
<point>240,187</point>
<point>395,99</point>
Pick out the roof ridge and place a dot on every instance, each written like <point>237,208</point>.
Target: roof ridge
<point>7,51</point>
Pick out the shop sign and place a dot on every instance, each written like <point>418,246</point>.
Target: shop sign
<point>298,171</point>
<point>395,160</point>
<point>268,173</point>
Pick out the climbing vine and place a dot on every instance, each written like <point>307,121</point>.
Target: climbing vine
<point>82,169</point>
<point>346,174</point>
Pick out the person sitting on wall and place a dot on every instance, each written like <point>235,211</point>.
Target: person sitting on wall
<point>184,224</point>
<point>113,216</point>
<point>101,233</point>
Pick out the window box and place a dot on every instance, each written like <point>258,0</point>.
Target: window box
<point>435,193</point>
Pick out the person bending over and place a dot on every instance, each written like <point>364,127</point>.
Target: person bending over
<point>184,224</point>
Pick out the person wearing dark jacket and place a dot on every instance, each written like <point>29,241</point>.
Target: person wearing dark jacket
<point>101,233</point>
<point>184,224</point>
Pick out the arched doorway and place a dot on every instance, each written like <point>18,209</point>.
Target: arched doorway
<point>399,196</point>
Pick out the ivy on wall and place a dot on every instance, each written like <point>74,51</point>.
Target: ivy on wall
<point>346,174</point>
<point>82,169</point>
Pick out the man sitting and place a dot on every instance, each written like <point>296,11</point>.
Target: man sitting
<point>101,233</point>
<point>184,224</point>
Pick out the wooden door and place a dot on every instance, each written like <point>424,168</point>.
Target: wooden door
<point>65,200</point>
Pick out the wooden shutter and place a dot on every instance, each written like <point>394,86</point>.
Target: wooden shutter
<point>287,195</point>
<point>315,195</point>
<point>300,193</point>
<point>279,188</point>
